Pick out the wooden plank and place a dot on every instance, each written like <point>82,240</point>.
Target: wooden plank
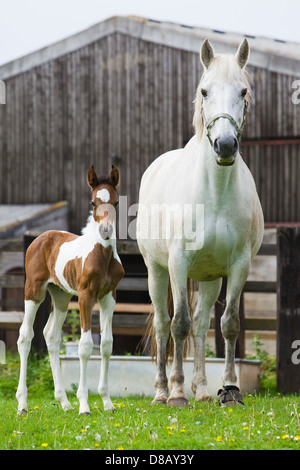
<point>141,284</point>
<point>267,250</point>
<point>9,280</point>
<point>272,142</point>
<point>11,245</point>
<point>133,284</point>
<point>260,286</point>
<point>288,309</point>
<point>121,307</point>
<point>11,320</point>
<point>127,248</point>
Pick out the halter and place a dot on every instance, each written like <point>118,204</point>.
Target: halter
<point>208,124</point>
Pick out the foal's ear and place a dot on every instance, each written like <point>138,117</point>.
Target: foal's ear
<point>114,176</point>
<point>207,53</point>
<point>243,53</point>
<point>92,178</point>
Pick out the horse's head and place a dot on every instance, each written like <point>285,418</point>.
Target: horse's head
<point>104,199</point>
<point>222,98</point>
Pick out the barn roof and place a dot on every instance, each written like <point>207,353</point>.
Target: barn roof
<point>16,219</point>
<point>271,54</point>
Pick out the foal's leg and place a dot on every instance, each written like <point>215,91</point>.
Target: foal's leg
<point>107,305</point>
<point>208,294</point>
<point>24,344</point>
<point>86,302</point>
<point>180,327</point>
<point>52,334</point>
<point>158,281</point>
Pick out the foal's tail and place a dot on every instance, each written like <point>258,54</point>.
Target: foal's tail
<point>150,330</point>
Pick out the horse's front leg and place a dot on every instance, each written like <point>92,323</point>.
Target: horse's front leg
<point>230,327</point>
<point>106,305</point>
<point>86,302</point>
<point>208,294</point>
<point>180,327</point>
<point>158,281</point>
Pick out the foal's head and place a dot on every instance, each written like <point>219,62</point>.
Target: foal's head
<point>221,101</point>
<point>104,199</point>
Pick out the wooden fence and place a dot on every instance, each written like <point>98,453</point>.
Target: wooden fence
<point>133,306</point>
<point>131,318</point>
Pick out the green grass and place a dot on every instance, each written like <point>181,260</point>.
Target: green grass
<point>268,420</point>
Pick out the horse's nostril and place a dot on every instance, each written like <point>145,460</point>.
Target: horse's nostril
<point>235,145</point>
<point>216,146</point>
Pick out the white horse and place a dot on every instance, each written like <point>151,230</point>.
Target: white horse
<point>208,173</point>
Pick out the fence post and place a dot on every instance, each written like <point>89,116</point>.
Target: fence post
<point>288,309</point>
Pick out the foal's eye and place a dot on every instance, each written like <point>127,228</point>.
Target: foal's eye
<point>204,92</point>
<point>116,204</point>
<point>93,204</point>
<point>244,92</point>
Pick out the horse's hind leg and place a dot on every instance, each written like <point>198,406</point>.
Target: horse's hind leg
<point>158,281</point>
<point>24,343</point>
<point>208,294</point>
<point>52,334</point>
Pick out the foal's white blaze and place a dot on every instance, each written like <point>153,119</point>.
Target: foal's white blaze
<point>103,194</point>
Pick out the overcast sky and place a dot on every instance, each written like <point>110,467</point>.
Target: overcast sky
<point>28,25</point>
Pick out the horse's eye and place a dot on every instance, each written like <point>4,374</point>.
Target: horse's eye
<point>116,204</point>
<point>93,204</point>
<point>204,92</point>
<point>244,92</point>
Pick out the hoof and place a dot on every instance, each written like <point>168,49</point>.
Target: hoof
<point>22,412</point>
<point>204,397</point>
<point>66,407</point>
<point>85,413</point>
<point>230,395</point>
<point>159,401</point>
<point>179,402</point>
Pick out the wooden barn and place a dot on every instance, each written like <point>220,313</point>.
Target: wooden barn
<point>122,92</point>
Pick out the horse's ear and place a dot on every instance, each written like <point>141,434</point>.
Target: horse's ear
<point>115,176</point>
<point>92,178</point>
<point>207,53</point>
<point>243,53</point>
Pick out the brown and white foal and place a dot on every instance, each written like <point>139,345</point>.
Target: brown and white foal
<point>67,265</point>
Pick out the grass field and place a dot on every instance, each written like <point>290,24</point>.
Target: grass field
<point>268,420</point>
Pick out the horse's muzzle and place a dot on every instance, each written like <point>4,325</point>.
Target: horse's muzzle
<point>106,231</point>
<point>226,149</point>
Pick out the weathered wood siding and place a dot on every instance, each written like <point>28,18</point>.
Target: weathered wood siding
<point>125,96</point>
